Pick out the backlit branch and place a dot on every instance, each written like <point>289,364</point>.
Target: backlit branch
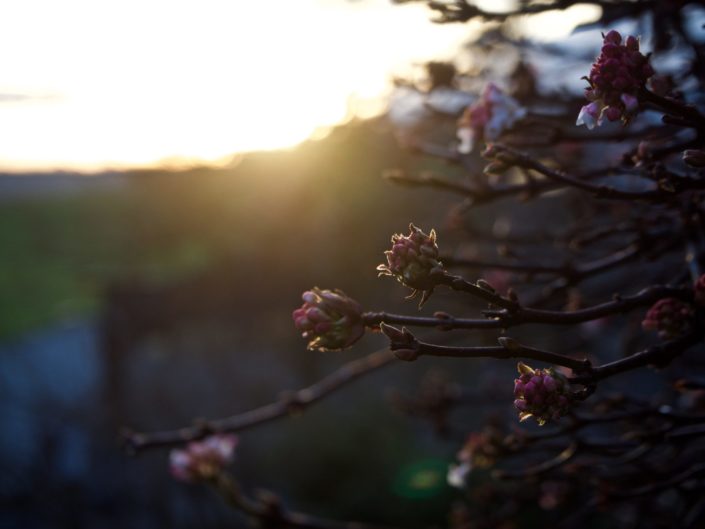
<point>288,404</point>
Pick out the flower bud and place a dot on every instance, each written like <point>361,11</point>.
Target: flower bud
<point>329,320</point>
<point>589,115</point>
<point>670,317</point>
<point>413,259</point>
<point>631,103</point>
<point>616,78</point>
<point>613,37</point>
<point>202,460</point>
<point>632,43</point>
<point>541,393</point>
<point>488,117</point>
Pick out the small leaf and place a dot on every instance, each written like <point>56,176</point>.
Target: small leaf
<point>524,416</point>
<point>521,366</point>
<point>391,332</point>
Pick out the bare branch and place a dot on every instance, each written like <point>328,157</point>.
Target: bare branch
<point>285,406</point>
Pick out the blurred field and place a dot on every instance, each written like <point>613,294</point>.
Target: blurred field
<point>311,208</point>
<point>163,296</point>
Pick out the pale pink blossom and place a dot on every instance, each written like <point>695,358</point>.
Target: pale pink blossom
<point>203,459</point>
<point>487,118</point>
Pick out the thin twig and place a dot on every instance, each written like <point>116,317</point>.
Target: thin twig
<point>268,510</point>
<point>285,406</point>
<point>518,315</point>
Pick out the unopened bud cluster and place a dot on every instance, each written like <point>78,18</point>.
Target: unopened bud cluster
<point>616,78</point>
<point>489,116</point>
<point>203,460</point>
<point>329,320</point>
<point>671,317</point>
<point>413,259</point>
<point>541,393</point>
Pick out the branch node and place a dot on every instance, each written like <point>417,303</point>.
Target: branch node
<point>510,344</point>
<point>401,342</point>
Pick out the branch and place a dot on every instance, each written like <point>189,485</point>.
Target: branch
<point>463,11</point>
<point>440,320</point>
<point>269,512</point>
<point>658,355</point>
<point>688,113</point>
<point>599,190</point>
<point>568,270</point>
<point>461,285</point>
<point>618,305</point>
<point>292,402</point>
<point>561,459</point>
<point>674,185</point>
<point>694,471</point>
<point>406,347</point>
<point>517,315</point>
<point>477,195</point>
<point>524,268</point>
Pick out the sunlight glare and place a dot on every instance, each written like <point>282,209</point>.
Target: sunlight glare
<point>95,85</point>
<point>554,25</point>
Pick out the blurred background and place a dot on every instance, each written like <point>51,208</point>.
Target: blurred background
<point>174,175</point>
<point>149,298</point>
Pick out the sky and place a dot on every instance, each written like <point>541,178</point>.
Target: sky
<point>103,84</point>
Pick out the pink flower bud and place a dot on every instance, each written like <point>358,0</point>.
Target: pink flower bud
<point>518,387</point>
<point>529,389</point>
<point>308,297</point>
<point>488,117</point>
<point>613,37</point>
<point>316,315</point>
<point>549,383</point>
<point>669,316</point>
<point>543,394</point>
<point>616,78</point>
<point>202,460</point>
<point>329,320</point>
<point>589,115</point>
<point>323,327</point>
<point>610,50</point>
<point>632,43</point>
<point>613,113</point>
<point>416,265</point>
<point>631,103</point>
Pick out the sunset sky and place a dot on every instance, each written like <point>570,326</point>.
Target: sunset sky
<point>92,85</point>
